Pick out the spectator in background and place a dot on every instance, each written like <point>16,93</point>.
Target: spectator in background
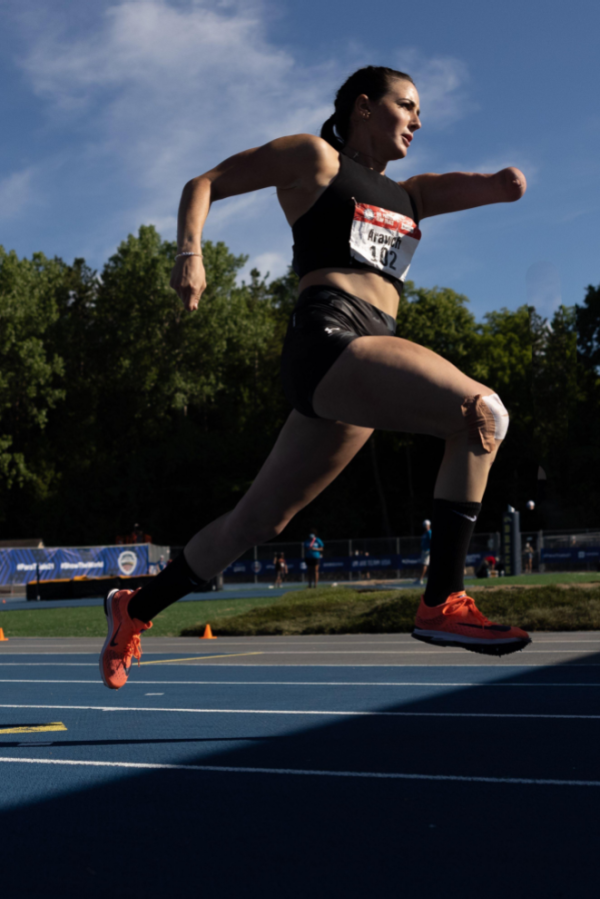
<point>138,534</point>
<point>281,569</point>
<point>313,550</point>
<point>528,557</point>
<point>425,550</point>
<point>488,564</point>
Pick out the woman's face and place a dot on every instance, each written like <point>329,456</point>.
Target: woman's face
<point>391,121</point>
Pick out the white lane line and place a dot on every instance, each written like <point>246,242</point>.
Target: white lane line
<point>286,683</point>
<point>456,651</point>
<point>315,652</point>
<point>400,640</point>
<point>376,652</point>
<point>375,775</point>
<point>470,665</point>
<point>307,712</point>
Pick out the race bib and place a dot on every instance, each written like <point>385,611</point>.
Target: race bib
<point>383,240</point>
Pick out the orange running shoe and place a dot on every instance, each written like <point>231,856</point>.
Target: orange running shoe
<point>458,622</point>
<point>123,640</point>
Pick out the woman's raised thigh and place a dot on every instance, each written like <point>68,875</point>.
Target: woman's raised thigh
<point>396,385</point>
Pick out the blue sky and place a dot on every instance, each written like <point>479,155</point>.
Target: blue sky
<point>108,108</point>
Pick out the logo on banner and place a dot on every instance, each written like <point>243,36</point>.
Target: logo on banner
<point>127,562</point>
<point>256,567</point>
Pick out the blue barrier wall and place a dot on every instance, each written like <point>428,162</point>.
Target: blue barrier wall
<point>571,554</point>
<point>333,564</point>
<point>19,566</point>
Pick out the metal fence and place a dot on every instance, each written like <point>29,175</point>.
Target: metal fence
<point>350,559</point>
<point>577,549</point>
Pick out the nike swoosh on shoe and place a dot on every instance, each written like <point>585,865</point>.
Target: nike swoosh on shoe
<point>113,641</point>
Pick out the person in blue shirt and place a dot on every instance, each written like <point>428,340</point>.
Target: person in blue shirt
<point>425,550</point>
<point>313,550</point>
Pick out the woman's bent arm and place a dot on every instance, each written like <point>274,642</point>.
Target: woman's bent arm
<point>285,163</point>
<point>437,194</point>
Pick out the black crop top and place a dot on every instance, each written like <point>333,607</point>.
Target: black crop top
<point>362,220</point>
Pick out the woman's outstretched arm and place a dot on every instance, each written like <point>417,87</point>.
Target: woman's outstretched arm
<point>437,194</point>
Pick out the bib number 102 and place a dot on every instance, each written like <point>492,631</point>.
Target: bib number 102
<point>384,257</point>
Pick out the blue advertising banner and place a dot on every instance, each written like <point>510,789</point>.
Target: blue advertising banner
<point>571,554</point>
<point>19,566</point>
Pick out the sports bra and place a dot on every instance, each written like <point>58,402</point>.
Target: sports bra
<point>362,220</point>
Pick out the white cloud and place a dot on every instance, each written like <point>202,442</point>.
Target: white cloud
<point>154,92</point>
<point>16,193</point>
<point>272,264</point>
<point>162,91</point>
<point>169,82</point>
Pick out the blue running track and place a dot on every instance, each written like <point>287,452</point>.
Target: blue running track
<point>301,767</point>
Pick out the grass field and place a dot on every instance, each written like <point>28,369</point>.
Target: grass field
<point>537,602</point>
<point>338,610</point>
<point>89,621</point>
<point>567,577</point>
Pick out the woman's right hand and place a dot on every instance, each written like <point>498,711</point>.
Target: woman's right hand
<point>188,280</point>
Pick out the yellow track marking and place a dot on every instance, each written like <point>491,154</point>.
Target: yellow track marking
<point>227,655</point>
<point>34,728</point>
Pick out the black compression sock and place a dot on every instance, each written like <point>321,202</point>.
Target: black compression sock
<point>175,581</point>
<point>452,526</point>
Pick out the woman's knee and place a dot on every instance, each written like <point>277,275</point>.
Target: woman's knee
<point>484,420</point>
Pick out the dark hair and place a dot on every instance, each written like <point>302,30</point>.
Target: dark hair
<point>374,81</point>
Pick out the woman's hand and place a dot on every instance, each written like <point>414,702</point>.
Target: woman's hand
<point>188,280</point>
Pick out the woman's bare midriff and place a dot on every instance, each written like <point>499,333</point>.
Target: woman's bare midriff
<point>368,286</point>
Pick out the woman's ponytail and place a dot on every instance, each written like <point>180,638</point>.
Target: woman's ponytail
<point>328,133</point>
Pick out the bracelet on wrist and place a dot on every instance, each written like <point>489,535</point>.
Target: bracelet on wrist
<point>179,255</point>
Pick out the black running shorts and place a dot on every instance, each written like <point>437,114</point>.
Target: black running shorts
<point>325,321</point>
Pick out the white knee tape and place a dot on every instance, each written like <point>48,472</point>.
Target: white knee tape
<point>487,420</point>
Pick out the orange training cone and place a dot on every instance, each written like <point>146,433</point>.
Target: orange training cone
<point>2,637</point>
<point>208,634</point>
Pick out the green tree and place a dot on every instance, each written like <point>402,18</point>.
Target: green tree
<point>588,329</point>
<point>118,406</point>
<point>29,373</point>
<point>160,398</point>
<point>438,318</point>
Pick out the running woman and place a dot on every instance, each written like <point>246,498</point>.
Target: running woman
<point>345,372</point>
